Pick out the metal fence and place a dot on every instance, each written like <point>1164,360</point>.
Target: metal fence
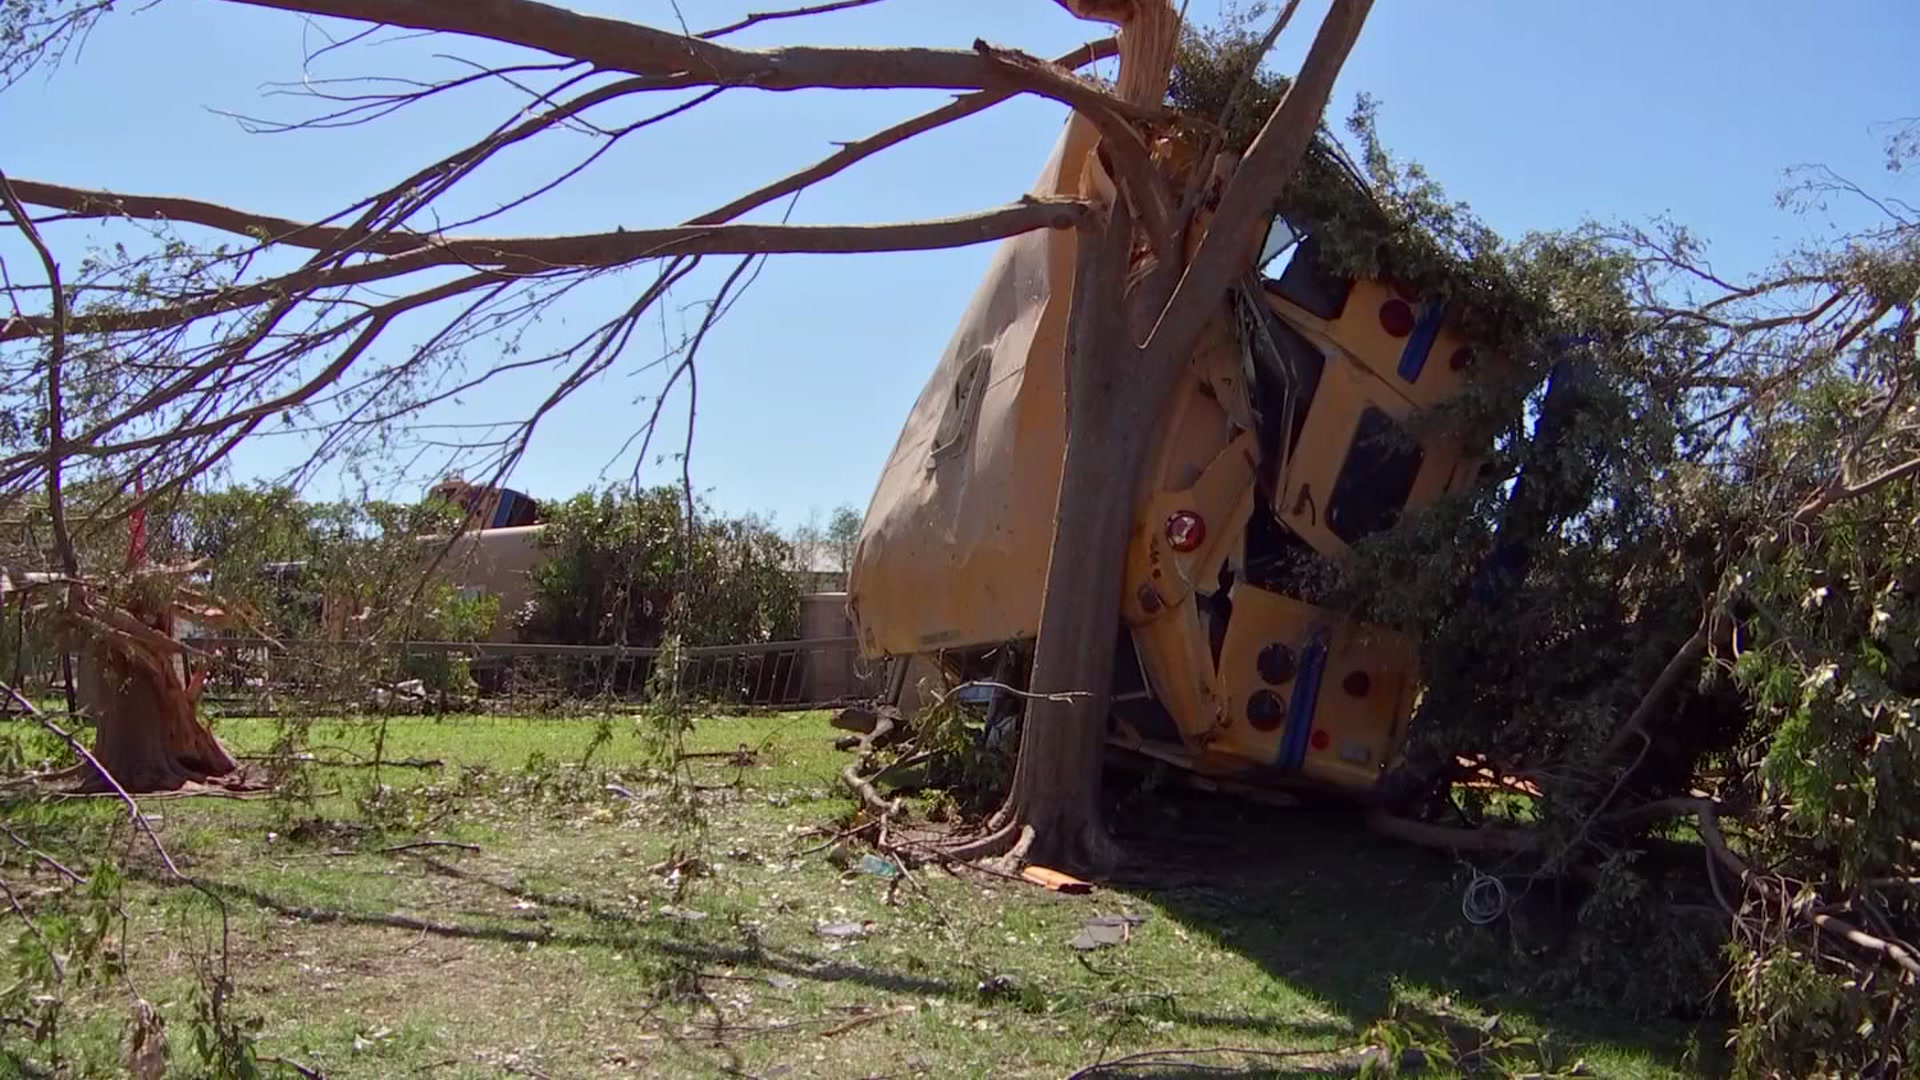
<point>778,674</point>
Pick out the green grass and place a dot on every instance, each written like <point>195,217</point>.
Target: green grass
<point>563,947</point>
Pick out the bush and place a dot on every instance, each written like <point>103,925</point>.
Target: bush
<point>629,569</point>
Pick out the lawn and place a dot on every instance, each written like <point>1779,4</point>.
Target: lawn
<point>596,926</point>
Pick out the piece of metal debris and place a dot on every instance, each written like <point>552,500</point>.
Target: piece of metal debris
<point>845,929</point>
<point>1104,930</point>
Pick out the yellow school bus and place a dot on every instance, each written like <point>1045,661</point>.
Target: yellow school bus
<point>1290,433</point>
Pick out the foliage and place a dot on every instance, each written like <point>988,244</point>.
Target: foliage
<point>628,568</point>
<point>834,540</point>
<point>1683,469</point>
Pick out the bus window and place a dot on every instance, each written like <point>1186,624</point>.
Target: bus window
<point>1308,283</point>
<point>1280,237</point>
<point>1375,480</point>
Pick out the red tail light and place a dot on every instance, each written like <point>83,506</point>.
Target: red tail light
<point>1186,531</point>
<point>1396,318</point>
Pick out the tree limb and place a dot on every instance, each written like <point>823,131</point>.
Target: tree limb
<point>856,151</point>
<point>56,334</point>
<point>620,45</point>
<point>537,255</point>
<point>1269,163</point>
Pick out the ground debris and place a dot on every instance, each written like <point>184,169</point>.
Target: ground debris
<point>1104,930</point>
<point>848,929</point>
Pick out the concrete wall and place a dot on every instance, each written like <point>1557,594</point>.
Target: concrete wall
<point>830,675</point>
<point>495,562</point>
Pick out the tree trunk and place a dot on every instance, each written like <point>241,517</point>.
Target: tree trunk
<point>1115,388</point>
<point>1052,812</point>
<point>146,733</point>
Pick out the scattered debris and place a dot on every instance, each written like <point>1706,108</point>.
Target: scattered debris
<point>869,1017</point>
<point>1056,881</point>
<point>886,869</point>
<point>845,929</point>
<point>996,985</point>
<point>863,719</point>
<point>1103,930</point>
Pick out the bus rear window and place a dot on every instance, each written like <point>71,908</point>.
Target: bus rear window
<point>1375,480</point>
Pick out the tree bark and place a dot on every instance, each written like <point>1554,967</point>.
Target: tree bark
<point>146,732</point>
<point>1115,390</point>
<point>143,704</point>
<point>1052,812</point>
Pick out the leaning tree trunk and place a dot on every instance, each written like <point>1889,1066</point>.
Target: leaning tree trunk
<point>147,735</point>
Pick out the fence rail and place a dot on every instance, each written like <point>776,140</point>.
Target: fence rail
<point>773,674</point>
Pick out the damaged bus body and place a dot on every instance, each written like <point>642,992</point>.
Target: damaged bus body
<point>1289,433</point>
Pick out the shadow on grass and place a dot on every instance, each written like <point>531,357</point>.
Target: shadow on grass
<point>1322,904</point>
<point>1310,897</point>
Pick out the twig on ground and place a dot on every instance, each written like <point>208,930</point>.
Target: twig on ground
<point>862,1021</point>
<point>417,844</point>
<point>1149,1058</point>
<point>307,1071</point>
<point>335,763</point>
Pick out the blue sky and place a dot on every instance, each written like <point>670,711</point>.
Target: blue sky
<point>1539,113</point>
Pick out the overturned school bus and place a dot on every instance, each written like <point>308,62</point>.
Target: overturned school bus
<point>1288,433</point>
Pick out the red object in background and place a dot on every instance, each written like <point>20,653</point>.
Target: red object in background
<point>137,526</point>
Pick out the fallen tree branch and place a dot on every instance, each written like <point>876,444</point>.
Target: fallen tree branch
<point>1176,1057</point>
<point>587,251</point>
<point>1854,935</point>
<point>51,862</point>
<point>621,45</point>
<point>1706,820</point>
<point>419,844</point>
<point>883,725</point>
<point>1485,841</point>
<point>1685,659</point>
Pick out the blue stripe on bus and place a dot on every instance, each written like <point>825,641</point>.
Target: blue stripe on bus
<point>1413,358</point>
<point>1306,688</point>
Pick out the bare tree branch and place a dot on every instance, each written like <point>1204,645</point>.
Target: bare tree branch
<point>758,17</point>
<point>539,255</point>
<point>856,151</point>
<point>620,45</point>
<point>56,334</point>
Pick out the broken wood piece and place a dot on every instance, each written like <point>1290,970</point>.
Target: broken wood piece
<point>1055,881</point>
